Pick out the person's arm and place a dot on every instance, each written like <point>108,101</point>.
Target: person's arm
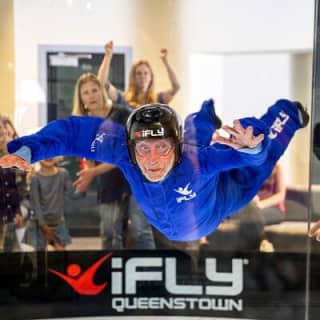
<point>104,71</point>
<point>86,175</point>
<point>69,190</point>
<point>88,137</point>
<point>102,168</point>
<point>279,194</point>
<point>167,96</point>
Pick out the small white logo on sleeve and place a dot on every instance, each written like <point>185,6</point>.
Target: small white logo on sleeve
<point>278,125</point>
<point>186,194</point>
<point>98,139</point>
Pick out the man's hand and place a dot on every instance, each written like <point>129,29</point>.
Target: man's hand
<point>315,231</point>
<point>108,48</point>
<point>163,53</point>
<point>11,160</point>
<point>85,177</point>
<point>240,137</point>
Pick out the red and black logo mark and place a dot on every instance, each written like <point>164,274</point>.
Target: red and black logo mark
<point>83,283</point>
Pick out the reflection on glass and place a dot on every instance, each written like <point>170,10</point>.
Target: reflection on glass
<point>243,59</point>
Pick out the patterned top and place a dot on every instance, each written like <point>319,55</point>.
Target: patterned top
<point>9,193</point>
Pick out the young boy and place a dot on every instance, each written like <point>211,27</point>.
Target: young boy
<point>49,188</point>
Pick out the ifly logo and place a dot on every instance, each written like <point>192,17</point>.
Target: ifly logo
<point>83,283</point>
<point>150,133</point>
<point>126,274</point>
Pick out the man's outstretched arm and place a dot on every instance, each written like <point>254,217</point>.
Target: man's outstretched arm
<point>87,137</point>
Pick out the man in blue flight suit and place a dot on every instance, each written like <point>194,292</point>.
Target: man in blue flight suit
<point>184,186</point>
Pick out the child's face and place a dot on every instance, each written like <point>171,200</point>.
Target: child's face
<point>48,163</point>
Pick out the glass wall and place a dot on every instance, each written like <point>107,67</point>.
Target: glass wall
<point>216,240</point>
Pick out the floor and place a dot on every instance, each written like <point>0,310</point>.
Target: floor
<point>146,318</point>
<point>78,243</point>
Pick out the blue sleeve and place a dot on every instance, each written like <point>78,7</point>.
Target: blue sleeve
<point>24,153</point>
<point>88,137</point>
<point>220,157</point>
<point>254,150</point>
<point>200,126</point>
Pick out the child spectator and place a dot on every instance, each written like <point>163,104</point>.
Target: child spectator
<point>49,188</point>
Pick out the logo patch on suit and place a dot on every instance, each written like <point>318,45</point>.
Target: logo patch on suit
<point>185,193</point>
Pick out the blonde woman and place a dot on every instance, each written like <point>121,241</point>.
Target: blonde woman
<point>89,97</point>
<point>114,194</point>
<point>141,88</point>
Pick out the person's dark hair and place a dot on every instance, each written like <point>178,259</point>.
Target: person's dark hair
<point>154,121</point>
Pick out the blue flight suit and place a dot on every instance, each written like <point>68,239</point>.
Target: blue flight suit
<point>210,182</point>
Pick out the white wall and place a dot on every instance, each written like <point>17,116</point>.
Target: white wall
<point>248,25</point>
<point>241,84</point>
<point>223,27</point>
<point>246,84</point>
